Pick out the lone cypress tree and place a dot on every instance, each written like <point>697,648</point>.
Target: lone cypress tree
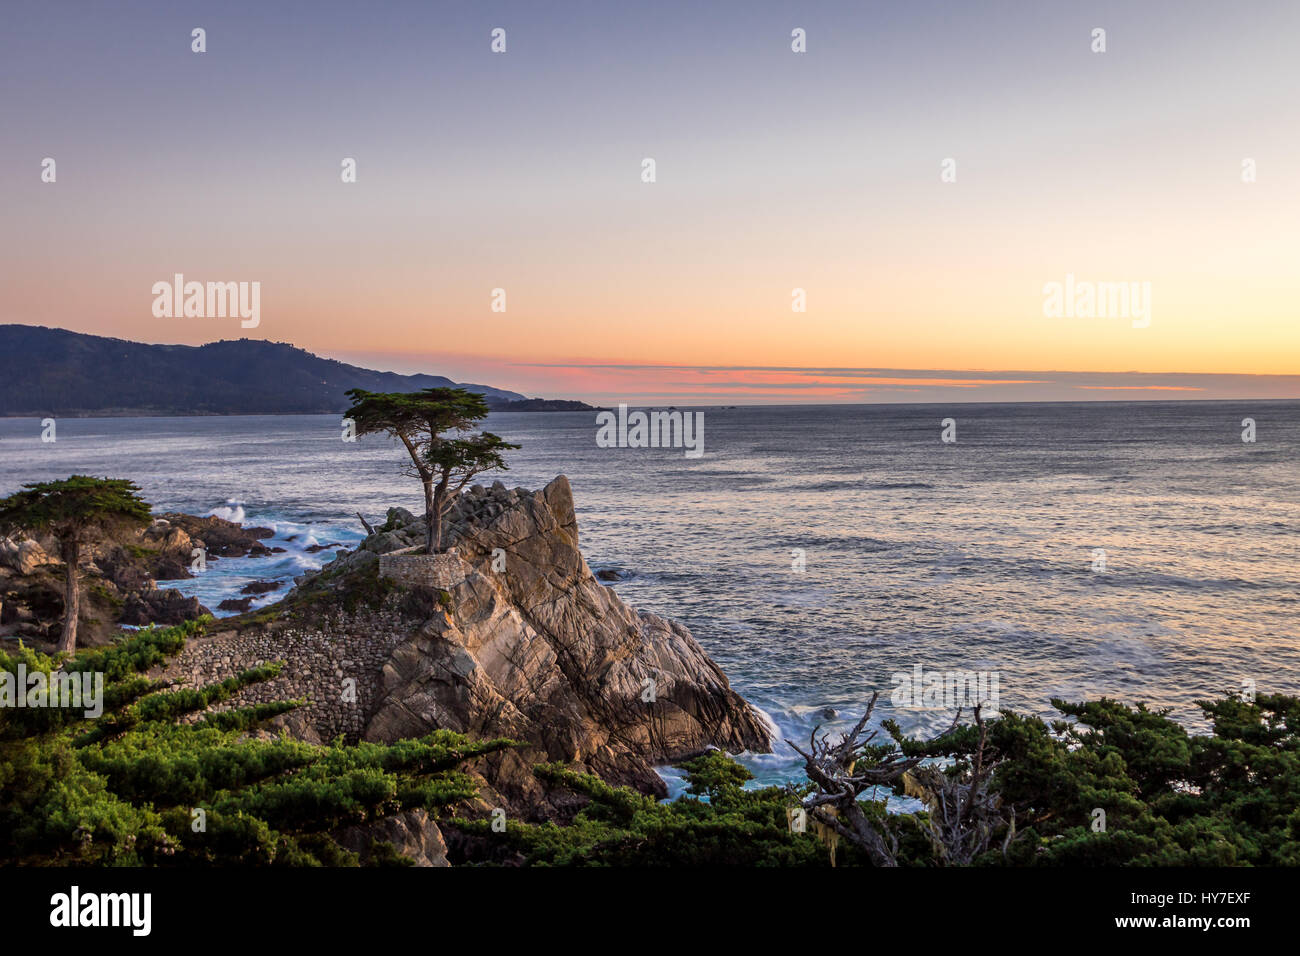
<point>436,427</point>
<point>78,511</point>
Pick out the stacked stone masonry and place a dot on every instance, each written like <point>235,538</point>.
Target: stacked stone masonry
<point>317,661</point>
<point>442,571</point>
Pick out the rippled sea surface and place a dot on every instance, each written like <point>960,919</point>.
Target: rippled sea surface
<point>976,555</point>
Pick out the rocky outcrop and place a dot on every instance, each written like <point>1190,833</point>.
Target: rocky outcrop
<point>155,606</point>
<point>412,834</point>
<point>221,538</point>
<point>258,588</point>
<point>24,556</point>
<point>532,646</point>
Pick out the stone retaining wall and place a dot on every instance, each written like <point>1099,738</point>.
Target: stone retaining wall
<point>442,571</point>
<point>317,661</point>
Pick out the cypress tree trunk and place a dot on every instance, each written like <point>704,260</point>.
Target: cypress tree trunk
<point>439,498</point>
<point>72,596</point>
<point>429,539</point>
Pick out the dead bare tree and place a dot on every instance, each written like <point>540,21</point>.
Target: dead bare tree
<point>964,815</point>
<point>833,770</point>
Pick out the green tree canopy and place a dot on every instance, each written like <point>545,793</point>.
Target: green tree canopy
<point>435,425</point>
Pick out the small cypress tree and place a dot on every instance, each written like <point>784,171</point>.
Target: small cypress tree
<point>78,511</point>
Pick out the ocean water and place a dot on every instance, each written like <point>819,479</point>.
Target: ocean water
<point>977,555</point>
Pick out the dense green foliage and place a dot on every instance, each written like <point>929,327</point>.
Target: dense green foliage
<point>724,824</point>
<point>73,506</point>
<point>125,788</point>
<point>1170,798</point>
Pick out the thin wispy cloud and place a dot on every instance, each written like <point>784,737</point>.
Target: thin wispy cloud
<point>800,384</point>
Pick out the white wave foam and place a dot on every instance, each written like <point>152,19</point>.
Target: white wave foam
<point>769,724</point>
<point>233,510</point>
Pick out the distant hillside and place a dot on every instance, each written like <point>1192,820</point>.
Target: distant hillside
<point>55,372</point>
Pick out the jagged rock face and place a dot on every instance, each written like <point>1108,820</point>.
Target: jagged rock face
<point>160,607</point>
<point>24,556</point>
<point>541,651</point>
<point>220,538</point>
<point>413,834</point>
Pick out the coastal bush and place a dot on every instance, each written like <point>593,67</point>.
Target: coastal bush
<point>1166,798</point>
<point>1108,785</point>
<point>151,782</point>
<point>717,823</point>
<point>1229,798</point>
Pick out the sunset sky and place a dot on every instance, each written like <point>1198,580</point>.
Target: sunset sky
<point>775,170</point>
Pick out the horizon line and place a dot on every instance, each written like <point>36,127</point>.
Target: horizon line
<point>324,352</point>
